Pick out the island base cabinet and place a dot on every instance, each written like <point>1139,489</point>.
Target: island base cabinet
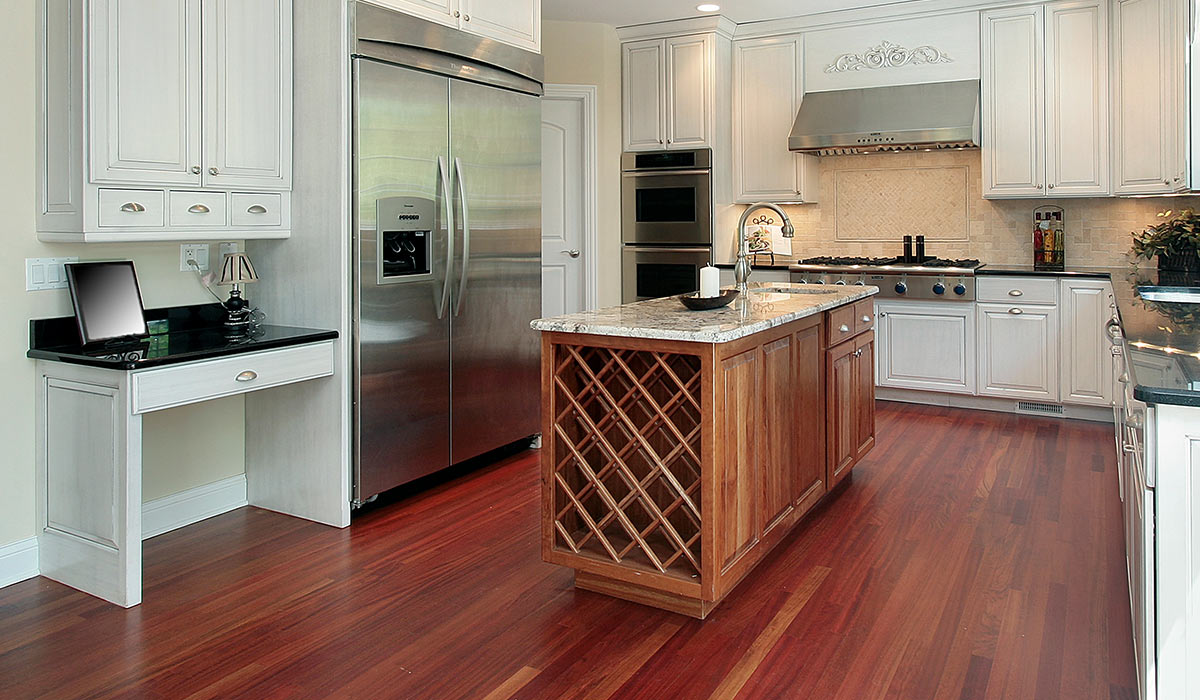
<point>671,468</point>
<point>851,404</point>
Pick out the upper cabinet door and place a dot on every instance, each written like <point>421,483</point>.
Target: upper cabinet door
<point>1148,92</point>
<point>1077,99</point>
<point>644,94</point>
<point>440,11</point>
<point>247,93</point>
<point>688,91</point>
<point>767,89</point>
<point>1013,89</point>
<point>516,22</point>
<point>144,96</point>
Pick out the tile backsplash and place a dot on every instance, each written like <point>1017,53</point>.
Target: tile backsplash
<point>869,201</point>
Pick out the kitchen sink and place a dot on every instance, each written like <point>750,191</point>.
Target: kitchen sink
<point>1184,295</point>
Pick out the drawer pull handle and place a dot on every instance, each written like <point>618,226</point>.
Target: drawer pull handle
<point>844,328</point>
<point>1015,293</point>
<point>1015,312</point>
<point>247,376</point>
<point>256,209</point>
<point>132,208</point>
<point>198,209</point>
<point>866,319</point>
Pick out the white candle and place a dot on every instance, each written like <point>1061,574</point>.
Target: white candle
<point>710,281</point>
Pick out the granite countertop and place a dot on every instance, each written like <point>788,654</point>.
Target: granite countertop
<point>767,305</point>
<point>1162,342</point>
<point>178,334</point>
<point>1026,270</point>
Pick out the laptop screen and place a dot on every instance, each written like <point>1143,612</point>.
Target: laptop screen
<point>107,301</point>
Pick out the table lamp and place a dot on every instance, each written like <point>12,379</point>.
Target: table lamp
<point>237,270</point>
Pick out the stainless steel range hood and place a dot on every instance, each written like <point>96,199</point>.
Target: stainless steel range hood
<point>927,116</point>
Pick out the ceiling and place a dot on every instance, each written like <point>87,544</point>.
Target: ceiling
<point>624,12</point>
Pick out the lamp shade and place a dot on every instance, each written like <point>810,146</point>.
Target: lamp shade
<point>238,270</point>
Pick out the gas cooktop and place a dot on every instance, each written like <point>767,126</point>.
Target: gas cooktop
<point>932,279</point>
<point>909,266</point>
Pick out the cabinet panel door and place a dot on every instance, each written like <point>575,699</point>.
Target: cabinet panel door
<point>864,394</point>
<point>144,92</point>
<point>1146,90</point>
<point>926,346</point>
<point>808,454</point>
<point>1086,359</point>
<point>1018,351</point>
<point>767,89</point>
<point>688,94</point>
<point>740,492</point>
<point>643,94</point>
<point>1012,90</point>
<point>841,443</point>
<point>440,11</point>
<point>247,93</point>
<point>1077,99</point>
<point>778,411</point>
<point>516,22</point>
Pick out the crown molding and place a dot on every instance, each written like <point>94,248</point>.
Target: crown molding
<point>868,15</point>
<point>714,24</point>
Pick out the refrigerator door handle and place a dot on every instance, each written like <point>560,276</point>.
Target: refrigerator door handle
<point>445,187</point>
<point>466,224</point>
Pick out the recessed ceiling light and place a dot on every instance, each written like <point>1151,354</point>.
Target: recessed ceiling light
<point>708,8</point>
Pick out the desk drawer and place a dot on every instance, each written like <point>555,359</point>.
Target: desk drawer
<point>1017,290</point>
<point>166,387</point>
<point>132,208</point>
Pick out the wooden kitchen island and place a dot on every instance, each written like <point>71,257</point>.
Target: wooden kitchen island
<point>679,447</point>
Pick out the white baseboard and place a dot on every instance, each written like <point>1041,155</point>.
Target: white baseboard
<point>191,506</point>
<point>1101,414</point>
<point>18,561</point>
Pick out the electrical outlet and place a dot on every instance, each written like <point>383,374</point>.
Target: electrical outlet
<point>193,251</point>
<point>46,273</point>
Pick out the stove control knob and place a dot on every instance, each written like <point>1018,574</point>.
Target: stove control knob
<point>901,287</point>
<point>801,280</point>
<point>939,289</point>
<point>840,282</point>
<point>860,283</point>
<point>818,281</point>
<point>960,289</point>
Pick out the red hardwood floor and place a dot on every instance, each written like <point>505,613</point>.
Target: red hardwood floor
<point>973,555</point>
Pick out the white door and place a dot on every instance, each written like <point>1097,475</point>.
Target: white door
<point>564,197</point>
<point>1077,99</point>
<point>1018,351</point>
<point>1012,92</point>
<point>516,22</point>
<point>925,346</point>
<point>1086,360</point>
<point>688,96</point>
<point>247,93</point>
<point>643,97</point>
<point>144,92</point>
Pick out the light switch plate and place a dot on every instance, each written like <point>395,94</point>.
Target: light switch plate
<point>46,273</point>
<point>226,249</point>
<point>193,251</point>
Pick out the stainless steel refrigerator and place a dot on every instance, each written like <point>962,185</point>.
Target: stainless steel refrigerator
<point>447,255</point>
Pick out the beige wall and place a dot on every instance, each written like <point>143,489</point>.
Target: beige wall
<point>178,443</point>
<point>587,53</point>
<point>869,201</point>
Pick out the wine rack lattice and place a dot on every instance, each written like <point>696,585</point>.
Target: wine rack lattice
<point>627,456</point>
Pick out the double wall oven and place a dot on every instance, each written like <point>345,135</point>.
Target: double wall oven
<point>666,222</point>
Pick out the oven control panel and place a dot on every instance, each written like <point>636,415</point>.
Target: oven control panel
<point>929,287</point>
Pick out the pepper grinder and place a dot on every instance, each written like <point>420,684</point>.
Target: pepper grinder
<point>908,253</point>
<point>920,250</point>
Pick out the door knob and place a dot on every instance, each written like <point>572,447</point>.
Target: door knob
<point>574,253</point>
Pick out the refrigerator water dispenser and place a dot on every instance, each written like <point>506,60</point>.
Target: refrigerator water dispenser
<point>405,226</point>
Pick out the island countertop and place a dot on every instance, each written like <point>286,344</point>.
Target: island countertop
<point>765,306</point>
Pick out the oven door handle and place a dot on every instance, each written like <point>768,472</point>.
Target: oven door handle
<point>660,249</point>
<point>664,173</point>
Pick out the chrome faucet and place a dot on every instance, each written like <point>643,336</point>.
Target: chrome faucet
<point>741,270</point>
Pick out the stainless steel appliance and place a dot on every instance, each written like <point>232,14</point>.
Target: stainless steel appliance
<point>447,271</point>
<point>934,278</point>
<point>666,221</point>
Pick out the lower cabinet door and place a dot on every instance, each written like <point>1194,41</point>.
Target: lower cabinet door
<point>841,441</point>
<point>808,452</point>
<point>864,394</point>
<point>926,345</point>
<point>1018,351</point>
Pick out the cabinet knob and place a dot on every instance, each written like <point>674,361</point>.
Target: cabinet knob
<point>198,209</point>
<point>1051,185</point>
<point>844,328</point>
<point>195,169</point>
<point>882,314</point>
<point>256,209</point>
<point>1015,312</point>
<point>214,171</point>
<point>466,18</point>
<point>132,208</point>
<point>1039,185</point>
<point>457,14</point>
<point>1166,182</point>
<point>247,376</point>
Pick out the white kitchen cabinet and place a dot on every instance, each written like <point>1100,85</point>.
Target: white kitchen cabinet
<point>1086,367</point>
<point>145,91</point>
<point>767,89</point>
<point>1018,350</point>
<point>1044,82</point>
<point>515,22</point>
<point>669,91</point>
<point>247,112</point>
<point>1149,39</point>
<point>925,345</point>
<point>142,102</point>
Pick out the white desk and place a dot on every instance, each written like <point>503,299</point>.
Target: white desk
<point>89,453</point>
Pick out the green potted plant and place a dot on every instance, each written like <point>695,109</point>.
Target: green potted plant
<point>1175,241</point>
